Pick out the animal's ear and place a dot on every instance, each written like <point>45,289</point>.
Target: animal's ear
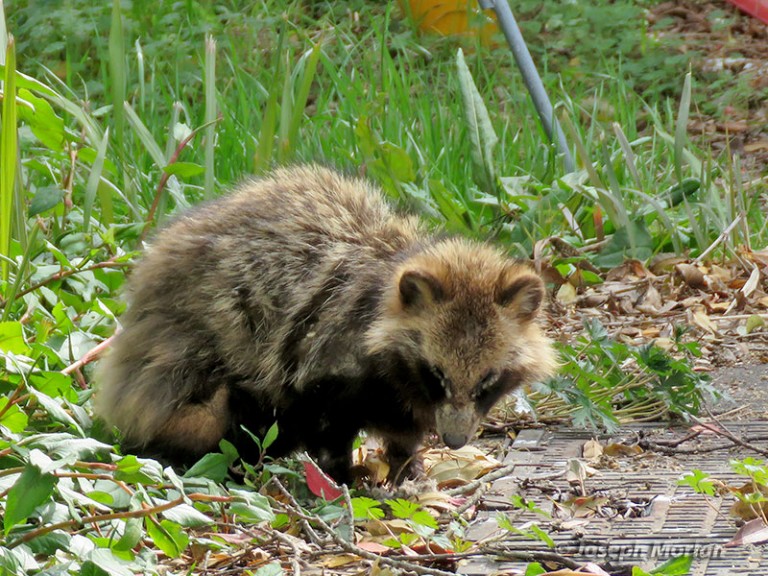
<point>522,294</point>
<point>419,288</point>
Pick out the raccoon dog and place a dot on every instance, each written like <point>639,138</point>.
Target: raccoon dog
<point>302,298</point>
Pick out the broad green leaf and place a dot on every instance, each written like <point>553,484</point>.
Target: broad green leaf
<point>214,466</point>
<point>45,199</point>
<point>251,506</point>
<point>479,127</point>
<point>42,120</point>
<point>678,566</point>
<point>168,536</point>
<point>132,534</point>
<point>32,489</point>
<point>12,338</point>
<point>105,560</point>
<point>14,418</point>
<point>187,516</point>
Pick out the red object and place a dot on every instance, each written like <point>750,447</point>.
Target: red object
<point>319,483</point>
<point>756,8</point>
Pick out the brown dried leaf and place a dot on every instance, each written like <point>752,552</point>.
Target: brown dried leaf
<point>592,450</point>
<point>617,449</point>
<point>566,294</point>
<point>457,467</point>
<point>691,275</point>
<point>753,532</point>
<point>630,270</point>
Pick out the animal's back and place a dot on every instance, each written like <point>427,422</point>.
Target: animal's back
<point>218,296</point>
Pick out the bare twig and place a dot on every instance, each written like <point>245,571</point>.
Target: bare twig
<point>89,356</point>
<point>111,263</point>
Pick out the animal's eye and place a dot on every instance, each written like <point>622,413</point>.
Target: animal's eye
<point>437,373</point>
<point>488,390</point>
<point>487,381</point>
<point>433,382</point>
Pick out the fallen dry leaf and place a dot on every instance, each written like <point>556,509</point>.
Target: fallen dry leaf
<point>450,468</point>
<point>592,450</point>
<point>753,532</point>
<point>617,449</point>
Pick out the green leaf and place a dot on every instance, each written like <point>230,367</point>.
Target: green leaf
<point>92,186</point>
<point>534,569</point>
<point>31,489</point>
<point>251,506</point>
<point>271,569</point>
<point>8,156</point>
<point>678,566</point>
<point>364,508</point>
<point>14,418</point>
<point>42,120</point>
<point>270,437</point>
<point>12,338</point>
<point>132,534</point>
<point>213,466</point>
<point>45,199</point>
<point>168,536</point>
<point>183,169</point>
<point>187,516</point>
<point>479,127</point>
<point>699,481</point>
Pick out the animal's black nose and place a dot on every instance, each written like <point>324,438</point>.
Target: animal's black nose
<point>454,440</point>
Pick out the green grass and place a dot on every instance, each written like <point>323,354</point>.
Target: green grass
<point>128,113</point>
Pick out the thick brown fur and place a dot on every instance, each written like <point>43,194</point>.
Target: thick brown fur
<point>302,298</point>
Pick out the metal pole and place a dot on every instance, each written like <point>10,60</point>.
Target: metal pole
<point>530,76</point>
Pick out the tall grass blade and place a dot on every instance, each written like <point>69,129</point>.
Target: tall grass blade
<point>3,34</point>
<point>9,141</point>
<point>581,150</point>
<point>92,186</point>
<point>117,77</point>
<point>681,128</point>
<point>285,111</point>
<point>210,115</point>
<point>146,138</point>
<point>140,72</point>
<point>21,272</point>
<point>479,126</point>
<point>629,155</point>
<point>308,68</point>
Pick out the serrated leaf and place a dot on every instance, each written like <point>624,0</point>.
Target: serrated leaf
<point>184,169</point>
<point>168,536</point>
<point>45,199</point>
<point>32,489</point>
